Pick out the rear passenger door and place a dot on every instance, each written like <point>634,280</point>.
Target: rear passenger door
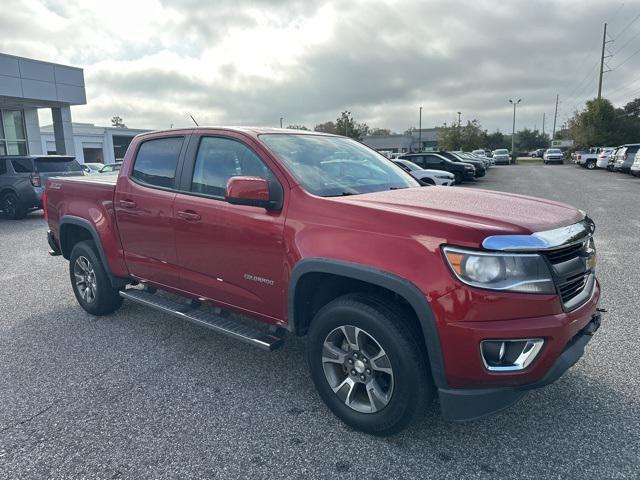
<point>231,254</point>
<point>144,209</point>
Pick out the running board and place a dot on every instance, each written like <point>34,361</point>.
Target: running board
<point>227,325</point>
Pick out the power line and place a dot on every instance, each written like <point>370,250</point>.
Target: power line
<point>626,60</point>
<point>627,42</point>
<point>628,25</point>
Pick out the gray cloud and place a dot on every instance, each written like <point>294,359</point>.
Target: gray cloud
<point>381,61</point>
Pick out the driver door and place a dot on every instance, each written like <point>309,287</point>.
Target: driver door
<point>230,254</point>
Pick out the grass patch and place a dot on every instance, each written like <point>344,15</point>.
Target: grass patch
<point>529,161</point>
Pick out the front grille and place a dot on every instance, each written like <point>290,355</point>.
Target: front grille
<point>573,286</point>
<point>564,254</point>
<point>571,272</point>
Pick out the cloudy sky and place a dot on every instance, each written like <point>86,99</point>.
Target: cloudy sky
<point>249,62</point>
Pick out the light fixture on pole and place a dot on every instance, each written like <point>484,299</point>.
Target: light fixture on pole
<point>513,130</point>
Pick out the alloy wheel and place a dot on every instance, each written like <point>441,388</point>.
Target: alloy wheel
<point>85,278</point>
<point>357,369</point>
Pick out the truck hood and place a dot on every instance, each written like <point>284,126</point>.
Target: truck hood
<point>487,211</point>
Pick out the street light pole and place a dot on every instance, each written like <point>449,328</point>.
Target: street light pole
<point>513,130</point>
<point>420,131</point>
<point>459,125</point>
<point>281,118</point>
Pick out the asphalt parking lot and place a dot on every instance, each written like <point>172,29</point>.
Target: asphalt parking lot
<point>141,395</point>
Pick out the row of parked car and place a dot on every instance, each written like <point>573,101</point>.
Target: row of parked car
<point>625,158</point>
<point>444,167</point>
<point>22,179</point>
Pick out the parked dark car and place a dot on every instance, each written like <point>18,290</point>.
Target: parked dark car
<point>22,180</point>
<point>431,160</point>
<point>479,165</point>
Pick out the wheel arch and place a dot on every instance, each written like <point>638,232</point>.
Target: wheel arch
<point>74,229</point>
<point>300,293</point>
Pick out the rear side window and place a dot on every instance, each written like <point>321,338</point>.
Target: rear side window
<point>3,166</point>
<point>22,165</point>
<point>218,160</point>
<point>46,165</point>
<point>156,161</point>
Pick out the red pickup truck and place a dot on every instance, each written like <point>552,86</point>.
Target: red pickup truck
<point>404,292</point>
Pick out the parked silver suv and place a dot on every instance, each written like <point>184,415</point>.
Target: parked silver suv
<point>22,180</point>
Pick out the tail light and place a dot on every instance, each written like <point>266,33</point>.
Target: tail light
<point>35,180</point>
<point>579,156</point>
<point>44,205</point>
<point>625,156</point>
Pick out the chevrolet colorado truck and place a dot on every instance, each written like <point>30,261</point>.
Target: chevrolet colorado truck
<point>404,293</point>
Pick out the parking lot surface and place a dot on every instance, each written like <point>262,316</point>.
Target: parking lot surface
<point>140,394</point>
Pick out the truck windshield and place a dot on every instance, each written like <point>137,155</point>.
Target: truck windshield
<point>333,166</point>
<point>48,165</point>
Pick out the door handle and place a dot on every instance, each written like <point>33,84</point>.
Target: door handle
<point>127,203</point>
<point>189,215</point>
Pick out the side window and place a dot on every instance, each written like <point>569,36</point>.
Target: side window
<point>22,165</point>
<point>3,166</point>
<point>218,160</point>
<point>432,161</point>
<point>156,161</point>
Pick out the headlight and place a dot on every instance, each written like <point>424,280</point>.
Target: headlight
<point>526,272</point>
<point>469,167</point>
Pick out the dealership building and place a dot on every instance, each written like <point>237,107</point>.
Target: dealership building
<point>415,141</point>
<point>28,85</point>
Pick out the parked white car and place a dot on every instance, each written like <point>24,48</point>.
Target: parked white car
<point>604,156</point>
<point>433,177</point>
<point>553,155</point>
<point>635,167</point>
<point>91,168</point>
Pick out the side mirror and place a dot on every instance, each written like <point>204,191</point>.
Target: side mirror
<point>252,191</point>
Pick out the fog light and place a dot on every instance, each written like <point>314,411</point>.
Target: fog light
<point>509,355</point>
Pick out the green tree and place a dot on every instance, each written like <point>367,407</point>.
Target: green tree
<point>457,137</point>
<point>326,127</point>
<point>297,127</point>
<point>347,126</point>
<point>527,139</point>
<point>600,124</point>
<point>633,107</point>
<point>117,122</point>
<point>495,140</point>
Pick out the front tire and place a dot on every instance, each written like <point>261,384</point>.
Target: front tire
<point>591,165</point>
<point>12,206</point>
<point>368,364</point>
<point>90,282</point>
<point>458,178</point>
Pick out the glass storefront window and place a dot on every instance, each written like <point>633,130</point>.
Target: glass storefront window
<point>16,148</point>
<point>13,139</point>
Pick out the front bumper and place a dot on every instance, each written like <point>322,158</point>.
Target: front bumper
<point>469,404</point>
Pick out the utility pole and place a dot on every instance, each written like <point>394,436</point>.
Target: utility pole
<point>459,113</point>
<point>459,135</point>
<point>555,117</point>
<point>281,118</point>
<point>604,42</point>
<point>420,131</point>
<point>543,115</point>
<point>513,130</point>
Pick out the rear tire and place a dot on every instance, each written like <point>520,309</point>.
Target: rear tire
<point>428,181</point>
<point>376,340</point>
<point>90,282</point>
<point>591,165</point>
<point>12,207</point>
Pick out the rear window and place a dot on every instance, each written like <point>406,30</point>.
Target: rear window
<point>22,165</point>
<point>156,161</point>
<point>50,165</point>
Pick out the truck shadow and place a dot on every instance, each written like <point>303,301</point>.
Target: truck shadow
<point>144,365</point>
